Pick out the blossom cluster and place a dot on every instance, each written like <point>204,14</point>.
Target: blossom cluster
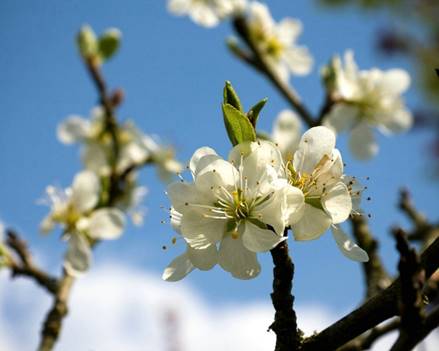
<point>91,209</point>
<point>238,207</point>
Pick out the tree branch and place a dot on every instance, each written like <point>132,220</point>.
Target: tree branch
<point>376,276</point>
<point>374,311</point>
<point>288,337</point>
<point>261,64</point>
<point>26,266</point>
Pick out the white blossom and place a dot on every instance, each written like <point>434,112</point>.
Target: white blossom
<point>277,41</point>
<point>286,133</point>
<point>206,13</point>
<point>75,210</point>
<point>366,99</point>
<point>232,210</point>
<point>317,170</point>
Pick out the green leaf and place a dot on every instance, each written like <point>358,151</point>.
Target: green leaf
<point>230,97</point>
<point>109,43</point>
<point>253,113</point>
<point>237,125</point>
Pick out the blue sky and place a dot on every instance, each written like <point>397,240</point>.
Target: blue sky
<point>173,72</point>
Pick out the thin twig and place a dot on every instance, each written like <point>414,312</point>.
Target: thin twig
<point>262,65</point>
<point>285,321</point>
<point>26,266</point>
<point>374,311</point>
<point>376,277</point>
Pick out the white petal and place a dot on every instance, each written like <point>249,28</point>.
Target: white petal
<point>395,81</point>
<point>348,247</point>
<point>195,165</point>
<point>94,157</point>
<point>337,202</point>
<point>182,194</point>
<point>175,220</point>
<point>85,191</point>
<point>397,121</point>
<point>295,204</point>
<point>46,225</point>
<point>218,173</point>
<point>204,15</point>
<point>179,7</point>
<point>259,240</point>
<point>341,117</point>
<point>106,224</point>
<point>179,268</point>
<point>73,129</point>
<point>233,257</point>
<point>362,142</point>
<point>203,259</point>
<point>299,60</point>
<point>316,143</point>
<point>288,30</point>
<point>312,225</point>
<point>78,256</point>
<point>287,132</point>
<point>200,232</point>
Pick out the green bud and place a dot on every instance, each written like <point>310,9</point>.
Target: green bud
<point>87,42</point>
<point>238,126</point>
<point>231,98</point>
<point>109,43</point>
<point>253,113</point>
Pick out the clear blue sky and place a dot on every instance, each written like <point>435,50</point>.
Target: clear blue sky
<point>173,72</point>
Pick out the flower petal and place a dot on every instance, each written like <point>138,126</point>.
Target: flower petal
<point>259,240</point>
<point>233,257</point>
<point>395,81</point>
<point>295,204</point>
<point>179,268</point>
<point>78,256</point>
<point>337,202</point>
<point>200,154</point>
<point>94,157</point>
<point>201,232</point>
<point>341,117</point>
<point>218,173</point>
<point>312,225</point>
<point>347,246</point>
<point>298,60</point>
<point>181,194</point>
<point>73,129</point>
<point>286,133</point>
<point>397,121</point>
<point>362,142</point>
<point>288,29</point>
<point>106,224</point>
<point>85,191</point>
<point>316,143</point>
<point>203,259</point>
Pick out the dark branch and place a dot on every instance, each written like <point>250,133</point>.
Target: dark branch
<point>288,336</point>
<point>25,266</point>
<point>376,276</point>
<point>374,311</point>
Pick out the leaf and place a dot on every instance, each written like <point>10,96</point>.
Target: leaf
<point>230,97</point>
<point>253,113</point>
<point>238,126</point>
<point>109,43</point>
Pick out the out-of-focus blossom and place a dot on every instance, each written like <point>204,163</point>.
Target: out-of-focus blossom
<point>277,41</point>
<point>287,133</point>
<point>366,100</point>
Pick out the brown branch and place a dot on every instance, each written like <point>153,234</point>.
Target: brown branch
<point>241,28</point>
<point>374,311</point>
<point>376,277</point>
<point>365,342</point>
<point>26,267</point>
<point>288,337</point>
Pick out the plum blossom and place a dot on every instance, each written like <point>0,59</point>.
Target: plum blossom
<point>317,170</point>
<point>277,41</point>
<point>366,99</point>
<point>206,13</point>
<point>286,133</point>
<point>135,148</point>
<point>83,222</point>
<point>232,210</point>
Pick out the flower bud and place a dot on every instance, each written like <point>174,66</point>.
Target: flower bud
<point>87,42</point>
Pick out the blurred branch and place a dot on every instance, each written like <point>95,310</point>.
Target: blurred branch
<point>25,266</point>
<point>365,342</point>
<point>376,277</point>
<point>288,337</point>
<point>258,61</point>
<point>374,311</point>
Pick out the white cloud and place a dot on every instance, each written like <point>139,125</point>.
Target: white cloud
<point>121,308</point>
